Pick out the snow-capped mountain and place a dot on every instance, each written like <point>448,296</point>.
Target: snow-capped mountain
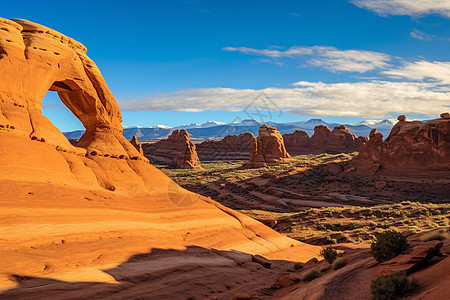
<point>378,123</point>
<point>195,125</point>
<point>217,130</point>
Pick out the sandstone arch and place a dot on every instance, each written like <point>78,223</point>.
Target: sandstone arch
<point>35,59</point>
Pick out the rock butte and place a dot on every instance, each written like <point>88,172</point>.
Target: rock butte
<point>410,145</point>
<point>268,148</point>
<point>231,147</point>
<point>82,214</point>
<point>177,151</point>
<point>324,140</point>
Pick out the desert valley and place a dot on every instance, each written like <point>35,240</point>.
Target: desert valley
<point>308,210</point>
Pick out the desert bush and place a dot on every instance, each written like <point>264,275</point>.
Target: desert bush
<point>394,286</point>
<point>435,235</point>
<point>329,240</point>
<point>329,254</point>
<point>338,263</point>
<point>388,245</point>
<point>324,269</point>
<point>311,275</point>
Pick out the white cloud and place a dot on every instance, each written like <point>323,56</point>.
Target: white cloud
<point>438,71</point>
<point>420,35</point>
<point>328,58</point>
<point>405,7</point>
<point>374,99</point>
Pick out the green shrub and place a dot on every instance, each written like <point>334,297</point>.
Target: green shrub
<point>388,245</point>
<point>329,254</point>
<point>338,263</point>
<point>311,276</point>
<point>435,235</point>
<point>394,286</point>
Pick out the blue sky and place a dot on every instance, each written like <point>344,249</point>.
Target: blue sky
<point>182,61</point>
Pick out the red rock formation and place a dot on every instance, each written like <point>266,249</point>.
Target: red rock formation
<point>231,147</point>
<point>134,141</point>
<point>297,143</point>
<point>268,148</point>
<point>35,59</point>
<point>324,140</point>
<point>411,145</point>
<point>70,217</point>
<point>177,151</point>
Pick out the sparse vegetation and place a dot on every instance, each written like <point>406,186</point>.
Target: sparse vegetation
<point>329,254</point>
<point>338,222</point>
<point>338,263</point>
<point>388,245</point>
<point>229,170</point>
<point>394,286</point>
<point>311,275</point>
<point>245,189</point>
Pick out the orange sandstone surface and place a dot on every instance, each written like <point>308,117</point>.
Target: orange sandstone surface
<point>97,220</point>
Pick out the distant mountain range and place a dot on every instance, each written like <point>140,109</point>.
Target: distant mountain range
<point>217,130</point>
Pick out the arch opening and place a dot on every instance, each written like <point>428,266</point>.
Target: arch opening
<point>58,113</point>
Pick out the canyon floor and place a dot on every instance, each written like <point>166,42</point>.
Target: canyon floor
<point>322,199</point>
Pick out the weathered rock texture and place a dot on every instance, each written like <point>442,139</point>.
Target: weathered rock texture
<point>76,226</point>
<point>35,59</point>
<point>134,141</point>
<point>411,145</point>
<point>298,143</point>
<point>177,151</point>
<point>231,147</point>
<point>324,140</point>
<point>268,148</point>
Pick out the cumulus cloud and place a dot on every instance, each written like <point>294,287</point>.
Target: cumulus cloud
<point>328,58</point>
<point>374,99</point>
<point>405,7</point>
<point>438,71</point>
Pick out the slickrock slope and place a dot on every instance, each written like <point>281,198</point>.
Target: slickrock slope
<point>231,147</point>
<point>93,221</point>
<point>268,148</point>
<point>324,140</point>
<point>134,141</point>
<point>177,151</point>
<point>411,145</point>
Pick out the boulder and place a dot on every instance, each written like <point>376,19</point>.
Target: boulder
<point>380,184</point>
<point>445,115</point>
<point>285,280</point>
<point>242,296</point>
<point>262,261</point>
<point>176,151</point>
<point>334,168</point>
<point>268,148</point>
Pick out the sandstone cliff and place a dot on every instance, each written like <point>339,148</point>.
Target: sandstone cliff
<point>324,140</point>
<point>231,147</point>
<point>411,145</point>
